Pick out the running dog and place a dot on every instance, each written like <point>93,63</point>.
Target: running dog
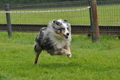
<point>55,39</point>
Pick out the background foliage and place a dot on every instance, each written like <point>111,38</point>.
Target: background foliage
<point>41,1</point>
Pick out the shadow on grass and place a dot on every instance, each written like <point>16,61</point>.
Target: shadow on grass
<point>58,65</point>
<point>77,66</point>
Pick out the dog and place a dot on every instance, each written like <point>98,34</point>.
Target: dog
<point>55,39</point>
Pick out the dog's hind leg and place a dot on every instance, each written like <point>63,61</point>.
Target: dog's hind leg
<point>37,56</point>
<point>38,52</point>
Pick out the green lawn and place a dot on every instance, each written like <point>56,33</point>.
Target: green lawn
<point>90,61</point>
<point>107,15</point>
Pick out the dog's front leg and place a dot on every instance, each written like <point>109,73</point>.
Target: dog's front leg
<point>67,51</point>
<point>58,51</point>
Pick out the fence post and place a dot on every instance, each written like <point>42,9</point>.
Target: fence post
<point>9,28</point>
<point>94,21</point>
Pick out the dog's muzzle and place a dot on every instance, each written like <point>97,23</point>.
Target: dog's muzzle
<point>66,36</point>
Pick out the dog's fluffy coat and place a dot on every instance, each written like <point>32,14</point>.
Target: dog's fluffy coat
<point>55,38</point>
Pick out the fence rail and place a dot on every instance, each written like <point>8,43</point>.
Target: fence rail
<point>76,29</point>
<point>68,10</point>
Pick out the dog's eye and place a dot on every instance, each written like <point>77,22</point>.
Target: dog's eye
<point>67,28</point>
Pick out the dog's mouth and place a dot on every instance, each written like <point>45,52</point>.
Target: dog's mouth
<point>66,36</point>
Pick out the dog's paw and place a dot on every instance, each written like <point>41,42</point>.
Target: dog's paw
<point>69,55</point>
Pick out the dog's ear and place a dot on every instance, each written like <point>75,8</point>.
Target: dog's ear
<point>56,22</point>
<point>65,21</point>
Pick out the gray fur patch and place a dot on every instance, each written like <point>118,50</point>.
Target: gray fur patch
<point>43,43</point>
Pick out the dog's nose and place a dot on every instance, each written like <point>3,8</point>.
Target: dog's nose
<point>67,34</point>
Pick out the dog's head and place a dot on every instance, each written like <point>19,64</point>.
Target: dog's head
<point>62,27</point>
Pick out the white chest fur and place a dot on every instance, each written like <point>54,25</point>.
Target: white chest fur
<point>59,41</point>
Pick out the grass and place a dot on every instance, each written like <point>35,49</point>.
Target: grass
<point>90,61</point>
<point>107,15</point>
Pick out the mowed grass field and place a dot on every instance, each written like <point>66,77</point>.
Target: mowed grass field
<point>107,15</point>
<point>90,61</point>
